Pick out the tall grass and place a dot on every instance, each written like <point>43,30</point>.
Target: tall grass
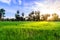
<point>29,30</point>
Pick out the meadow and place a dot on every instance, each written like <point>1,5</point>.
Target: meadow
<point>29,30</point>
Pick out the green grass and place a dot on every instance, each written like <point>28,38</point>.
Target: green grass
<point>29,30</point>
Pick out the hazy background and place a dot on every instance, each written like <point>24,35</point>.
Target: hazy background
<point>26,6</point>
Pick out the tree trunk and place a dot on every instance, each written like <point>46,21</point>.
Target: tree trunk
<point>0,16</point>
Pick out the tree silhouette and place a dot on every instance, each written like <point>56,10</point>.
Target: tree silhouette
<point>34,16</point>
<point>18,12</point>
<point>2,13</point>
<point>17,16</point>
<point>31,17</point>
<point>55,16</point>
<point>22,14</point>
<point>45,16</point>
<point>37,14</point>
<point>22,17</point>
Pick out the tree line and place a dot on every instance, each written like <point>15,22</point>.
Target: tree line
<point>33,16</point>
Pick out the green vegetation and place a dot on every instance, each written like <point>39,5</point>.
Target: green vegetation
<point>29,30</point>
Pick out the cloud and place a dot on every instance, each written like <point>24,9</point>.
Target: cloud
<point>14,1</point>
<point>10,13</point>
<point>20,2</point>
<point>9,1</point>
<point>5,1</point>
<point>47,6</point>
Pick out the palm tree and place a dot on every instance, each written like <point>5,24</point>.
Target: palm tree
<point>2,13</point>
<point>17,16</point>
<point>22,14</point>
<point>18,12</point>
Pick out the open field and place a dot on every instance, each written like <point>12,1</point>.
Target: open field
<point>29,30</point>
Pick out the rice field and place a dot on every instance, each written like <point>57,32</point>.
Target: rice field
<point>29,30</point>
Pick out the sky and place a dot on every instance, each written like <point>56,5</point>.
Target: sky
<point>26,6</point>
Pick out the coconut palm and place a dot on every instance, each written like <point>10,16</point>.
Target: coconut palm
<point>17,16</point>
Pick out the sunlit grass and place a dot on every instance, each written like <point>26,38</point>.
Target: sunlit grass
<point>33,25</point>
<point>29,30</point>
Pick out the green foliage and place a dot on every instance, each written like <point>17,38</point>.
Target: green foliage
<point>2,13</point>
<point>29,30</point>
